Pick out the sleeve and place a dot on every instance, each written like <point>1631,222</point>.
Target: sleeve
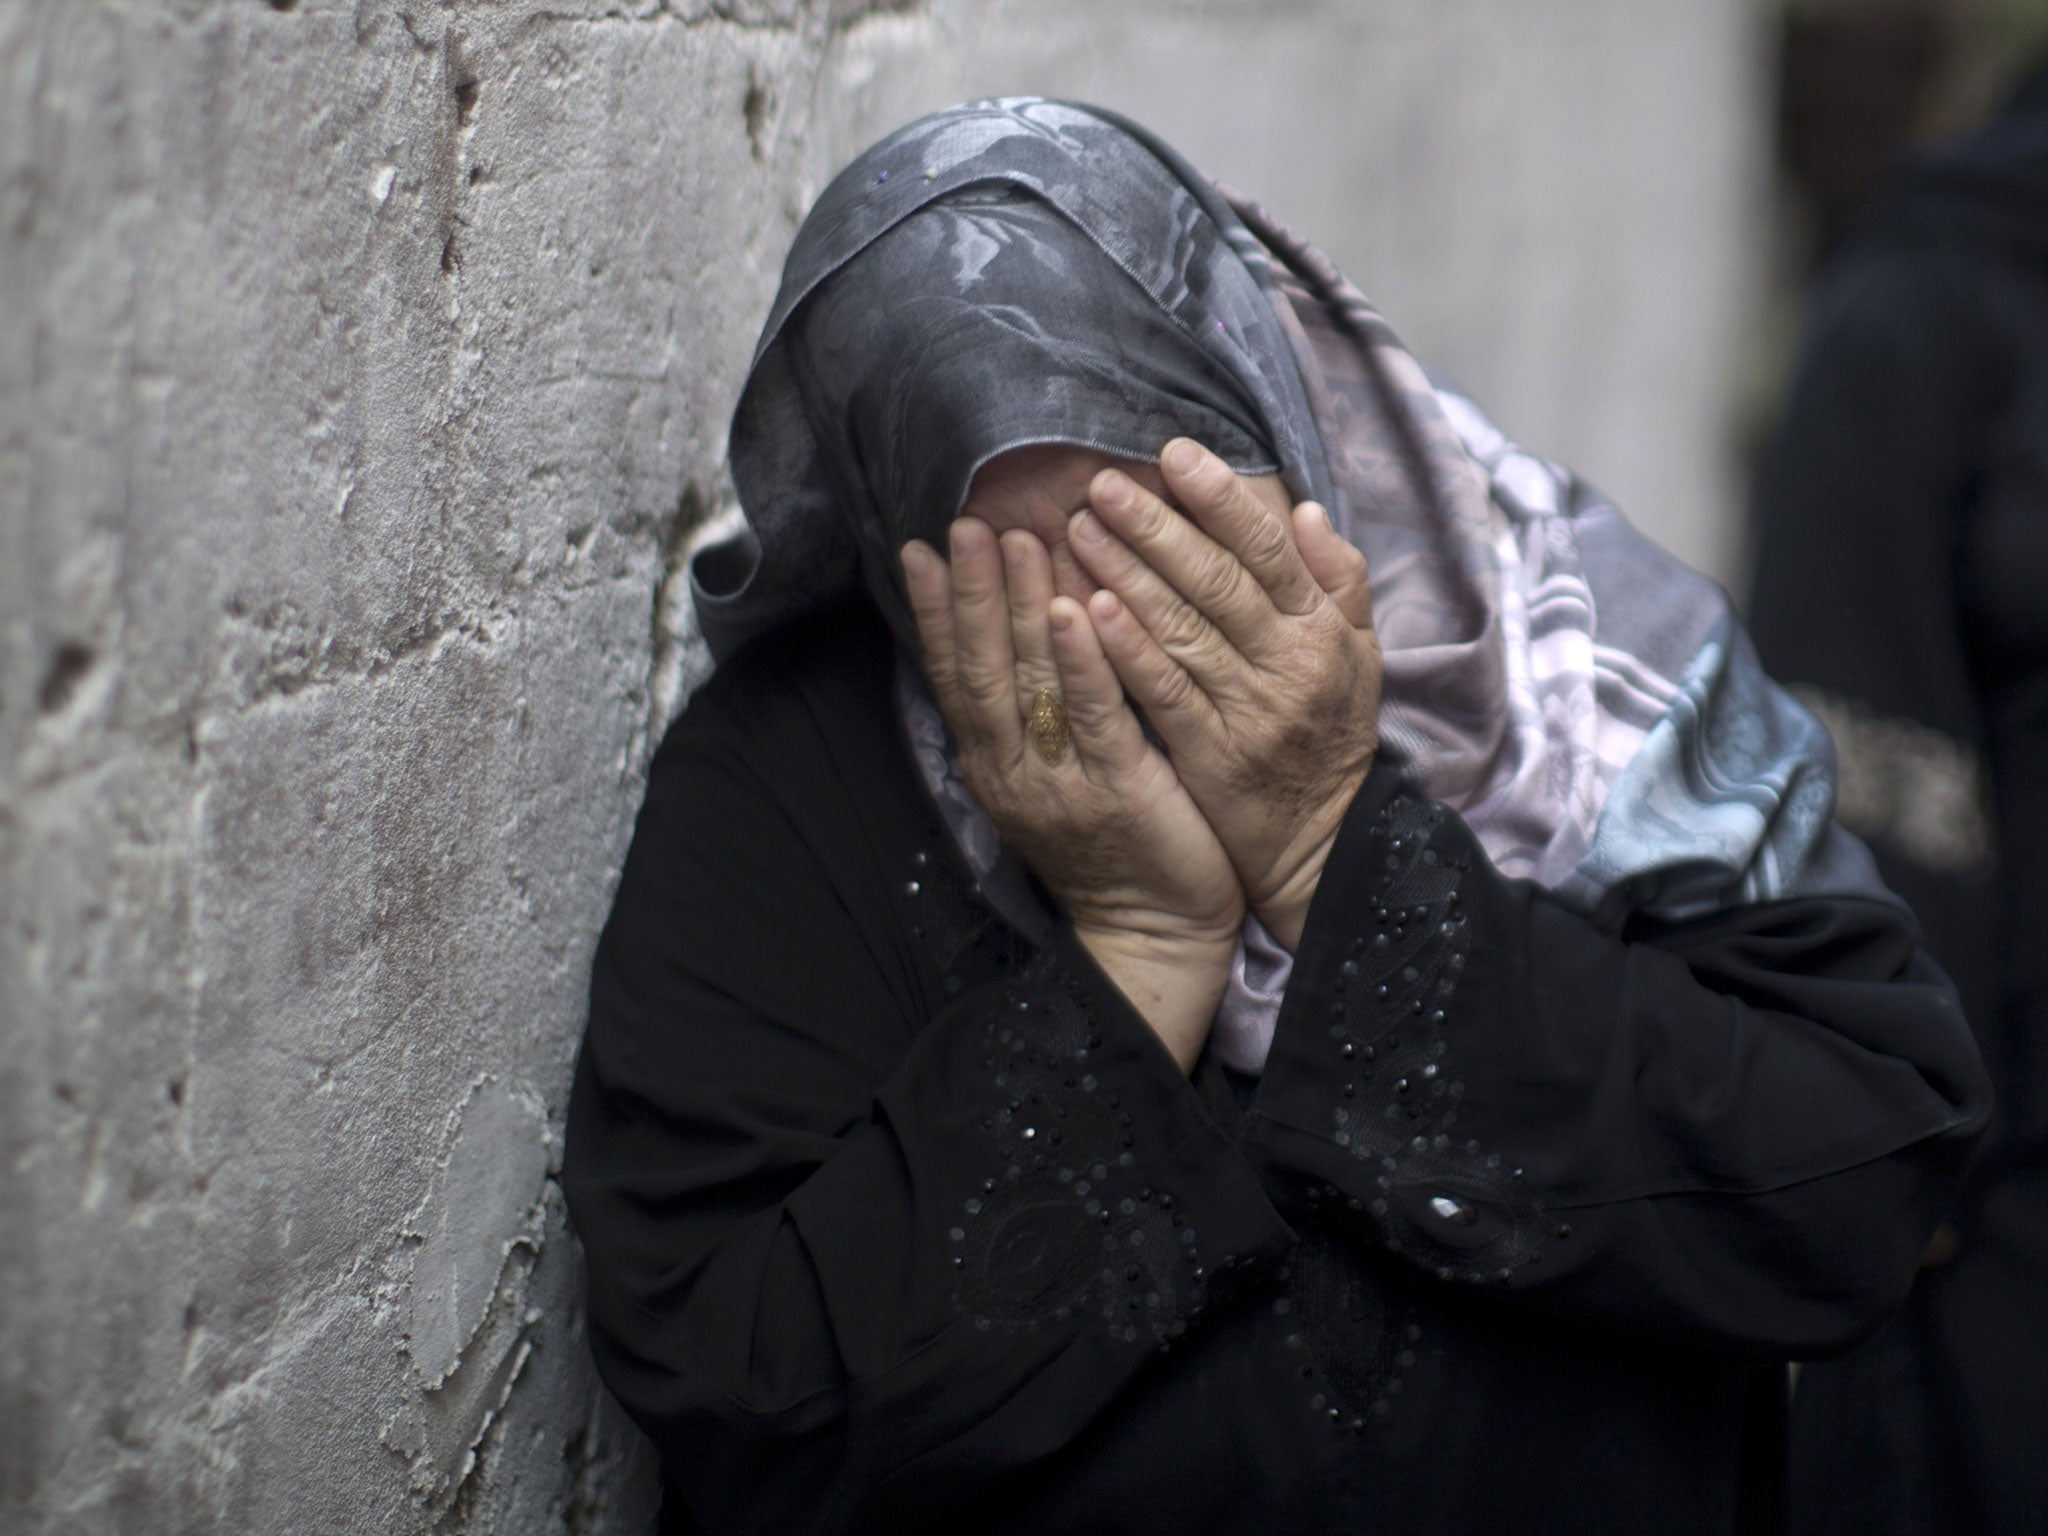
<point>848,1263</point>
<point>1736,1132</point>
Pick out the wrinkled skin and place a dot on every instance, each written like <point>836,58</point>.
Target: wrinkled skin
<point>1243,630</point>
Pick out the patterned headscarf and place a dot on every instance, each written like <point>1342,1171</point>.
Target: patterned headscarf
<point>985,322</point>
<point>1589,705</point>
<point>1004,273</point>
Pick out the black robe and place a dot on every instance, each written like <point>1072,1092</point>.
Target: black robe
<point>1902,571</point>
<point>898,1222</point>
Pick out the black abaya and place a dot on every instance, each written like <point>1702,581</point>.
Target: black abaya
<point>897,1222</point>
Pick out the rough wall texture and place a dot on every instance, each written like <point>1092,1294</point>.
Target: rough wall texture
<point>363,374</point>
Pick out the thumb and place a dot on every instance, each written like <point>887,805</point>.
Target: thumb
<point>1338,567</point>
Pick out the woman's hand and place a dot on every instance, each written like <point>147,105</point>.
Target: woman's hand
<point>1246,636</point>
<point>1109,828</point>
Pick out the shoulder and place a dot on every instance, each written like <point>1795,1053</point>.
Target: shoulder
<point>792,756</point>
<point>822,684</point>
<point>781,817</point>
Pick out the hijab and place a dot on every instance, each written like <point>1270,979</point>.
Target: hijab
<point>1001,274</point>
<point>998,325</point>
<point>1025,270</point>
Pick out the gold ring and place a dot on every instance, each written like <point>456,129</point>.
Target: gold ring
<point>1047,725</point>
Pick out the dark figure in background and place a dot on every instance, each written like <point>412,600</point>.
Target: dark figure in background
<point>1426,1076</point>
<point>1902,585</point>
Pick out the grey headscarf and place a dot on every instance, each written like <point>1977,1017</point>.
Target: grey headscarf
<point>1026,272</point>
<point>1592,708</point>
<point>984,322</point>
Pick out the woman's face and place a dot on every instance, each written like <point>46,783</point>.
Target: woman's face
<point>1039,487</point>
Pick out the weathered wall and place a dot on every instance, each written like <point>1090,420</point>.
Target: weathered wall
<point>363,369</point>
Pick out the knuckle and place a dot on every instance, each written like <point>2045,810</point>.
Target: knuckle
<point>1181,630</point>
<point>1331,688</point>
<point>1266,543</point>
<point>1150,522</point>
<point>1333,638</point>
<point>1219,582</point>
<point>1174,690</point>
<point>983,685</point>
<point>1216,655</point>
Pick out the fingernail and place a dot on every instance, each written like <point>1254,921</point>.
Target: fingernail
<point>1182,455</point>
<point>1061,619</point>
<point>1113,488</point>
<point>917,559</point>
<point>1084,527</point>
<point>1323,515</point>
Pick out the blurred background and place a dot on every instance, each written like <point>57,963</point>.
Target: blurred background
<point>364,374</point>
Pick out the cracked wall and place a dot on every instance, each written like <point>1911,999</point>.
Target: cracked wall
<point>363,375</point>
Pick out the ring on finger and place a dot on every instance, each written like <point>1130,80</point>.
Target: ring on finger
<point>1046,725</point>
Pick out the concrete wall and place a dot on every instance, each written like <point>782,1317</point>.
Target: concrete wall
<point>363,372</point>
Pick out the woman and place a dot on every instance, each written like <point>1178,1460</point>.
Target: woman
<point>1902,562</point>
<point>1418,1069</point>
